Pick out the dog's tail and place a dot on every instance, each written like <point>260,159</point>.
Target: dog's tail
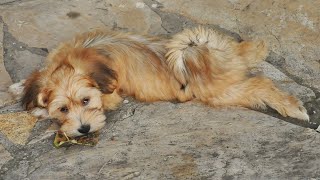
<point>206,53</point>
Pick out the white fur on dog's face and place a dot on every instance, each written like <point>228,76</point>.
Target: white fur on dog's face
<point>76,102</point>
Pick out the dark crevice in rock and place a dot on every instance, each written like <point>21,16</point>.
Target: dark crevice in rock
<point>10,2</point>
<point>279,62</point>
<point>313,124</point>
<point>115,27</point>
<point>170,22</point>
<point>20,153</point>
<point>16,107</point>
<point>173,23</point>
<point>125,111</point>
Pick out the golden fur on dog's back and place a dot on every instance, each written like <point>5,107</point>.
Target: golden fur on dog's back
<point>198,64</point>
<point>211,55</point>
<point>138,61</point>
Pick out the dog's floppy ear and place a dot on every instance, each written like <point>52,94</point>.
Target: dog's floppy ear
<point>104,77</point>
<point>34,95</point>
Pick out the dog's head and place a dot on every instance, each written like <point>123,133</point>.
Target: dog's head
<point>70,90</point>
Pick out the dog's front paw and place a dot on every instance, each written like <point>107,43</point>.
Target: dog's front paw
<point>17,89</point>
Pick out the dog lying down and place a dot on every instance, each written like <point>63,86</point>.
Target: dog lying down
<point>96,70</point>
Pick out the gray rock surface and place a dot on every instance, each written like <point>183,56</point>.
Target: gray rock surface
<point>4,156</point>
<point>286,83</point>
<point>166,140</point>
<point>5,80</point>
<point>180,141</point>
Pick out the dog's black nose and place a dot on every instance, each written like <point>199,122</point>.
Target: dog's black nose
<point>84,129</point>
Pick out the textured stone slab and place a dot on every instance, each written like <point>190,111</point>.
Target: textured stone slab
<point>291,29</point>
<point>35,27</point>
<point>6,99</point>
<point>286,83</point>
<point>15,107</point>
<point>50,131</point>
<point>17,126</point>
<point>165,140</point>
<point>23,63</point>
<point>185,141</point>
<point>5,80</point>
<point>5,156</point>
<point>45,24</point>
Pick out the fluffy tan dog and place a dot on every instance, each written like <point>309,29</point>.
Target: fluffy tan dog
<point>93,73</point>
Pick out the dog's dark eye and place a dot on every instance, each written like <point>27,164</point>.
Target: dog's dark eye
<point>64,109</point>
<point>85,101</point>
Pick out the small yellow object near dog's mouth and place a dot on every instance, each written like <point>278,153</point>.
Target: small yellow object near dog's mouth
<point>62,140</point>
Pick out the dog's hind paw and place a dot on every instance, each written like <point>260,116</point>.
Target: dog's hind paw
<point>296,110</point>
<point>300,114</point>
